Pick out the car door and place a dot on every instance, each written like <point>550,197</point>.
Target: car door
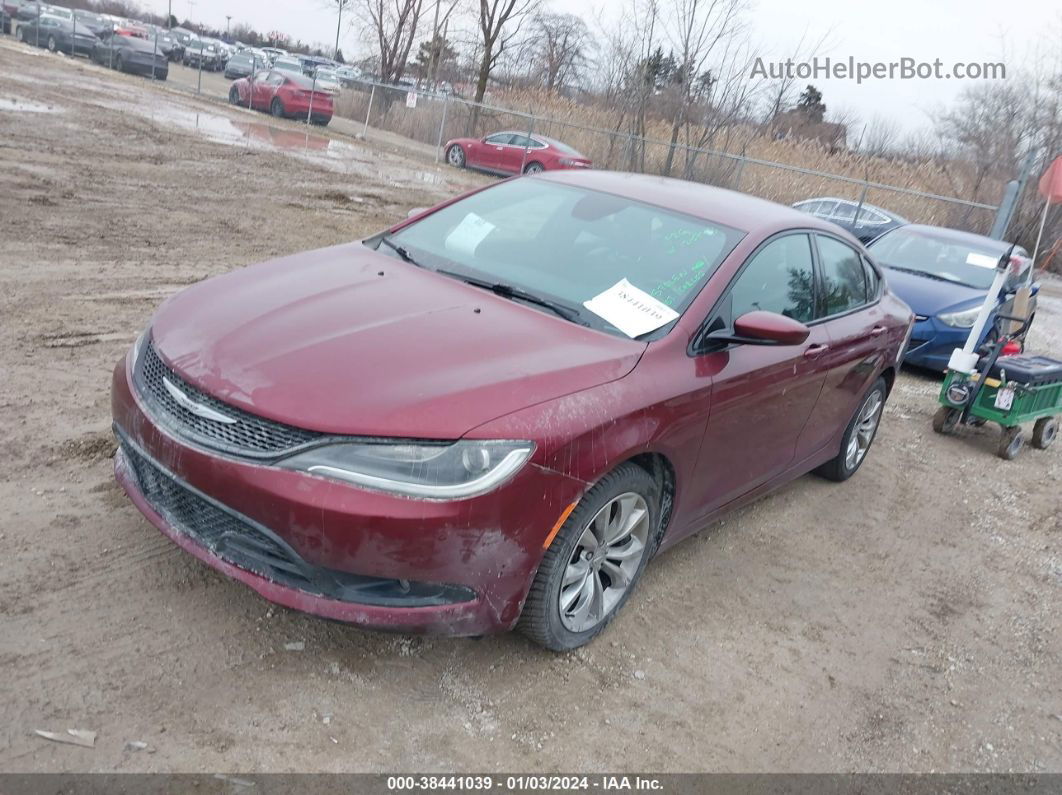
<point>762,395</point>
<point>492,150</point>
<point>516,154</point>
<point>850,313</point>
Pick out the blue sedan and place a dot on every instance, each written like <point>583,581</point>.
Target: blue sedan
<point>944,276</point>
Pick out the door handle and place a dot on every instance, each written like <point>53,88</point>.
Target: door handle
<point>815,350</point>
<point>877,331</point>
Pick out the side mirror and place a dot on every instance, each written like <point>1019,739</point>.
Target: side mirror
<point>763,328</point>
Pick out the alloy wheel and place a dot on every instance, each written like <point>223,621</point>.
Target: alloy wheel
<point>604,562</point>
<point>456,156</point>
<point>863,430</point>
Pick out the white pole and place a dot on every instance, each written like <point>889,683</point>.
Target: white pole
<point>1039,236</point>
<point>368,110</point>
<point>965,360</point>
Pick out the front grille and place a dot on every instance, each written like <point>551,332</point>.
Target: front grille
<point>247,544</point>
<point>249,435</point>
<point>230,537</point>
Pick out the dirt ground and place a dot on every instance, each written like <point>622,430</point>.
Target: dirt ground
<point>907,620</point>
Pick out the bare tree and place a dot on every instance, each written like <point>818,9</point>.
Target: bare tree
<point>781,90</point>
<point>698,31</point>
<point>500,22</point>
<point>879,137</point>
<point>561,45</point>
<point>392,24</point>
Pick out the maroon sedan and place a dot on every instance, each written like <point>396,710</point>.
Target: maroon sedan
<point>284,94</point>
<point>513,153</point>
<point>493,414</point>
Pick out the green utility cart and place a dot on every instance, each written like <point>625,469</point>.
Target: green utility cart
<point>1012,390</point>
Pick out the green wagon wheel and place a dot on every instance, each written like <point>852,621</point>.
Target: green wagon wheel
<point>1045,431</point>
<point>1010,443</point>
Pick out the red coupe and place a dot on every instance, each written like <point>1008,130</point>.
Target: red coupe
<point>284,94</point>
<point>495,413</point>
<point>513,153</point>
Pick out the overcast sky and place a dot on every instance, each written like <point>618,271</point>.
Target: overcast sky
<point>952,30</point>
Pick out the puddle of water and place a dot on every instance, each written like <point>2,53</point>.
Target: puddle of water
<point>329,153</point>
<point>16,105</point>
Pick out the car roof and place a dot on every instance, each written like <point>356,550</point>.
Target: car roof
<point>959,236</point>
<point>719,205</point>
<point>866,205</point>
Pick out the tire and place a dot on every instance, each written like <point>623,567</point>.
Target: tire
<point>1045,431</point>
<point>627,496</point>
<point>1010,443</point>
<point>861,431</point>
<point>234,96</point>
<point>534,167</point>
<point>946,420</point>
<point>52,45</point>
<point>22,36</point>
<point>455,156</point>
<point>276,107</point>
<point>118,64</point>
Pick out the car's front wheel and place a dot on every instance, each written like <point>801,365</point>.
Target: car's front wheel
<point>859,434</point>
<point>52,45</point>
<point>593,564</point>
<point>276,107</point>
<point>455,156</point>
<point>234,96</point>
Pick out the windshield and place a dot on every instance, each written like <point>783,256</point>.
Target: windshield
<point>568,244</point>
<point>941,256</point>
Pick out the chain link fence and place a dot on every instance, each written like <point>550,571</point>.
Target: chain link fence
<point>432,119</point>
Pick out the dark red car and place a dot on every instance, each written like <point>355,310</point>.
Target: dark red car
<point>284,94</point>
<point>513,153</point>
<point>495,413</point>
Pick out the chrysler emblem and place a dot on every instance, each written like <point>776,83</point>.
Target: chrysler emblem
<point>198,409</point>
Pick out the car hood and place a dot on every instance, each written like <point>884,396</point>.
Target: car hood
<point>928,296</point>
<point>323,341</point>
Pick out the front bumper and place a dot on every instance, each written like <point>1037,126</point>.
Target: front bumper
<point>932,343</point>
<point>482,553</point>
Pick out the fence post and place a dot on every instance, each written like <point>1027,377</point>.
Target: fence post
<point>313,89</point>
<point>250,86</point>
<point>1011,196</point>
<point>199,85</point>
<point>442,128</point>
<point>862,200</point>
<point>368,110</point>
<point>530,132</point>
<point>740,170</point>
<point>154,55</point>
<point>38,27</point>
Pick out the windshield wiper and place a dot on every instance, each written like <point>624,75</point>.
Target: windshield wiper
<point>508,291</point>
<point>927,274</point>
<point>400,251</point>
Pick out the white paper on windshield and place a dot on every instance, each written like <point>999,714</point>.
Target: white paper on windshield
<point>632,311</point>
<point>981,260</point>
<point>468,234</point>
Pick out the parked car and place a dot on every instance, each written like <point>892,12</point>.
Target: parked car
<point>944,275</point>
<point>274,52</point>
<point>131,54</point>
<point>285,95</point>
<point>244,64</point>
<point>288,64</point>
<point>865,221</point>
<point>327,80</point>
<point>97,23</point>
<point>513,152</point>
<point>493,414</point>
<point>57,34</point>
<point>349,76</point>
<point>200,51</point>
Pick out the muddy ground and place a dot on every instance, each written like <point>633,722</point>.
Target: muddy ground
<point>906,621</point>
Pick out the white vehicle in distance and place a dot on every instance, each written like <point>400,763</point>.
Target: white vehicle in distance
<point>327,80</point>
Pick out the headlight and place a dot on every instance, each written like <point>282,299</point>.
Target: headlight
<point>430,471</point>
<point>138,345</point>
<point>962,319</point>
